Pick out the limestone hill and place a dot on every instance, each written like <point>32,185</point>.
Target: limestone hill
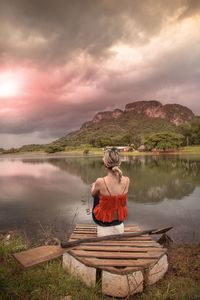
<point>134,123</point>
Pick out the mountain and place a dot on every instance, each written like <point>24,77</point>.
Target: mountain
<point>174,113</point>
<point>135,122</point>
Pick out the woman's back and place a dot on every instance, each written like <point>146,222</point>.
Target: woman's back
<point>110,185</point>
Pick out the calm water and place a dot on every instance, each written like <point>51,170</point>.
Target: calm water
<point>51,194</point>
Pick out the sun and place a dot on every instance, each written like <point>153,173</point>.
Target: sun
<point>10,84</point>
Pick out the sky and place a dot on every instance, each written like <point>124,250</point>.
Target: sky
<point>63,61</point>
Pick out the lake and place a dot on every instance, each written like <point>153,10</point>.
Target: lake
<point>40,195</point>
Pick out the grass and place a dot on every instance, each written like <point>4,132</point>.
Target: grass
<point>47,281</point>
<point>182,281</point>
<point>50,281</point>
<point>192,149</point>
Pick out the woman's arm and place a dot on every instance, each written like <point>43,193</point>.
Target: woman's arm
<point>95,187</point>
<point>127,183</point>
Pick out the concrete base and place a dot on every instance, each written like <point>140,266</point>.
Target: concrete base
<point>113,284</point>
<point>76,268</point>
<point>157,271</point>
<point>122,285</point>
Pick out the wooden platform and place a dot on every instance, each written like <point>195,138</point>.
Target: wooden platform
<point>122,267</point>
<point>119,257</point>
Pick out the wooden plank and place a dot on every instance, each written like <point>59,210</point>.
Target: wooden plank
<point>122,255</point>
<point>95,228</point>
<point>120,248</point>
<point>86,225</point>
<point>96,262</point>
<point>135,227</point>
<point>138,245</point>
<point>80,232</point>
<point>75,236</point>
<point>86,228</point>
<point>92,231</point>
<point>94,225</point>
<point>38,255</point>
<point>127,243</point>
<point>84,232</point>
<point>139,238</point>
<point>123,242</point>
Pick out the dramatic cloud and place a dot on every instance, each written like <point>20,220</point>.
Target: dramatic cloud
<point>67,60</point>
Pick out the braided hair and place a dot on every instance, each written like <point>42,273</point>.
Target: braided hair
<point>112,161</point>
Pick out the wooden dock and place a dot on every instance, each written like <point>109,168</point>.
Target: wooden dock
<point>122,267</point>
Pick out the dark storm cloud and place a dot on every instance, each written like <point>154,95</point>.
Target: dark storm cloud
<point>53,31</point>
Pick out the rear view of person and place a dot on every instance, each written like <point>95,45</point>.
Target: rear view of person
<point>109,192</point>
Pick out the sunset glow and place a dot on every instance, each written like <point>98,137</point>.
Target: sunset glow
<point>10,85</point>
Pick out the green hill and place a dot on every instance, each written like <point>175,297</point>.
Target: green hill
<point>128,128</point>
<point>131,126</point>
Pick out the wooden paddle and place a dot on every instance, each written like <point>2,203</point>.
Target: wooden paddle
<point>35,256</point>
<point>114,237</point>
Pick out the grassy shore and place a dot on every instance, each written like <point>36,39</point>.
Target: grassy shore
<point>50,281</point>
<point>192,150</point>
<point>93,151</point>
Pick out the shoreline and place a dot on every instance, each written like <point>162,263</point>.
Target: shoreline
<point>44,155</point>
<point>96,152</point>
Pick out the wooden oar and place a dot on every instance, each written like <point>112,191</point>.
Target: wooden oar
<point>114,237</point>
<point>35,256</point>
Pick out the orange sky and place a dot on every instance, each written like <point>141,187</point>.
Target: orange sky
<point>63,61</point>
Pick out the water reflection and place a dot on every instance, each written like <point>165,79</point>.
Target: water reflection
<point>51,191</point>
<point>152,178</point>
<point>37,192</point>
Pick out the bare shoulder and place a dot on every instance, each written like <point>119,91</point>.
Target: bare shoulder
<point>99,181</point>
<point>127,179</point>
<point>96,186</point>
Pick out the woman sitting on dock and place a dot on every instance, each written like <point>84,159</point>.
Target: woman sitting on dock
<point>109,192</point>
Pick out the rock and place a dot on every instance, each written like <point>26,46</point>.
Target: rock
<point>104,115</point>
<point>175,113</point>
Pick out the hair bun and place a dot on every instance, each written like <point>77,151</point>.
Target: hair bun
<point>115,169</point>
<point>112,161</point>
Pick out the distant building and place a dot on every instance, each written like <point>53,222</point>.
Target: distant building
<point>142,148</point>
<point>120,148</point>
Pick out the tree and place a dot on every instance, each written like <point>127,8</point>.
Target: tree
<point>126,139</point>
<point>136,140</point>
<point>103,141</point>
<point>191,132</point>
<point>54,148</point>
<point>165,140</point>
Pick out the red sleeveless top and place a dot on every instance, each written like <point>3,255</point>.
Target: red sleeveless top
<point>108,204</point>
